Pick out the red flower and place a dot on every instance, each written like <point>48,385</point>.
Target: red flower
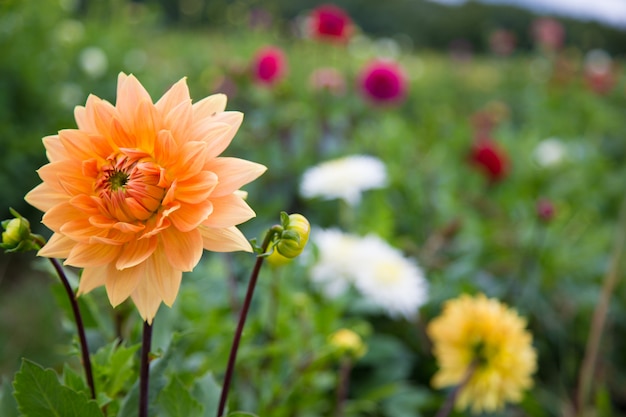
<point>383,82</point>
<point>331,23</point>
<point>545,209</point>
<point>489,159</point>
<point>269,65</point>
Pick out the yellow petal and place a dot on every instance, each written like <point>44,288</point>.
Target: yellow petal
<point>44,197</point>
<point>233,173</point>
<point>183,249</point>
<point>177,94</point>
<point>228,239</point>
<point>209,106</point>
<point>58,246</point>
<point>121,284</point>
<point>228,211</point>
<point>135,252</point>
<point>90,279</point>
<point>92,254</point>
<point>165,277</point>
<point>147,299</point>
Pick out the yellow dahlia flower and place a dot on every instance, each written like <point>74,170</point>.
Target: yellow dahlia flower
<point>136,193</point>
<point>485,334</point>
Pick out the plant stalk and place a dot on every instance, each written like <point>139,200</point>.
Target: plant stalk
<point>144,373</point>
<point>447,407</point>
<point>230,367</point>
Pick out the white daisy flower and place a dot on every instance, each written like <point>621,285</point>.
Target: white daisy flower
<point>550,152</point>
<point>379,272</point>
<point>345,178</point>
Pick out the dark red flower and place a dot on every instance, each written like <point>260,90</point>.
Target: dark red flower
<point>489,159</point>
<point>331,23</point>
<point>269,65</point>
<point>383,82</point>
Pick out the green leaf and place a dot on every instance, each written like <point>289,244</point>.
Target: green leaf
<point>114,366</point>
<point>39,393</point>
<point>176,401</point>
<point>73,380</point>
<point>8,406</point>
<point>208,391</point>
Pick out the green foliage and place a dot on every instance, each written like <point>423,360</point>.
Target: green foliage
<point>39,393</point>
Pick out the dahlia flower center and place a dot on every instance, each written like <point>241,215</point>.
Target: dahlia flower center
<point>130,187</point>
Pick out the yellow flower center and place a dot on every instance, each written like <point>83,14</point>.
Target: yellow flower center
<point>131,187</point>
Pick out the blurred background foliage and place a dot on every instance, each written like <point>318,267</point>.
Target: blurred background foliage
<point>469,234</point>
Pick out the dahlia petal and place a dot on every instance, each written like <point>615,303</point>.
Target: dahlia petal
<point>183,249</point>
<point>228,211</point>
<point>121,284</point>
<point>90,279</point>
<point>218,144</point>
<point>92,254</point>
<point>146,126</point>
<point>56,217</point>
<point>146,299</point>
<point>178,121</point>
<point>55,151</point>
<point>128,227</point>
<point>135,252</point>
<point>197,188</point>
<point>66,176</point>
<point>177,94</point>
<point>102,113</point>
<point>165,148</point>
<point>165,277</point>
<point>189,216</point>
<point>207,131</point>
<point>85,204</point>
<point>209,106</point>
<point>130,93</point>
<point>44,197</point>
<point>119,136</point>
<point>193,157</point>
<point>81,229</point>
<point>233,173</point>
<point>58,246</point>
<point>83,119</point>
<point>228,239</point>
<point>77,144</point>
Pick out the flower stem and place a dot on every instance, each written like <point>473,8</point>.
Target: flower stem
<point>343,384</point>
<point>79,325</point>
<point>230,367</point>
<point>144,372</point>
<point>599,315</point>
<point>446,408</point>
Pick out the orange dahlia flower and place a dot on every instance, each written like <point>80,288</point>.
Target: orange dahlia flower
<point>136,193</point>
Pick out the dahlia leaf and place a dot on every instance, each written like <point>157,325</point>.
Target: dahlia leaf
<point>208,391</point>
<point>39,393</point>
<point>176,401</point>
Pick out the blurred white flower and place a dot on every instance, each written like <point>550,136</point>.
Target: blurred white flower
<point>598,61</point>
<point>93,61</point>
<point>380,273</point>
<point>70,31</point>
<point>70,95</point>
<point>550,152</point>
<point>344,178</point>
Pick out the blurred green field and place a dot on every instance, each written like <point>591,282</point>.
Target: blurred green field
<point>468,234</point>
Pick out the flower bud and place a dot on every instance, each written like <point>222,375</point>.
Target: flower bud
<point>348,343</point>
<point>295,235</point>
<point>16,236</point>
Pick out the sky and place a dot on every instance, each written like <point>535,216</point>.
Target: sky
<point>612,12</point>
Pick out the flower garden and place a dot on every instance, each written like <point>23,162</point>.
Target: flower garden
<point>296,218</point>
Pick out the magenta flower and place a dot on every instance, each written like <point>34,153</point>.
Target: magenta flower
<point>383,82</point>
<point>269,65</point>
<point>330,22</point>
<point>545,210</point>
<point>548,33</point>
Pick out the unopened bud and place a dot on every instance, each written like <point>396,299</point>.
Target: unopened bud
<point>16,236</point>
<point>295,235</point>
<point>348,342</point>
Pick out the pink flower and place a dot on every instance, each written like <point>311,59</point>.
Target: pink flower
<point>328,79</point>
<point>548,33</point>
<point>330,22</point>
<point>489,159</point>
<point>502,42</point>
<point>383,82</point>
<point>545,209</point>
<point>269,65</point>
